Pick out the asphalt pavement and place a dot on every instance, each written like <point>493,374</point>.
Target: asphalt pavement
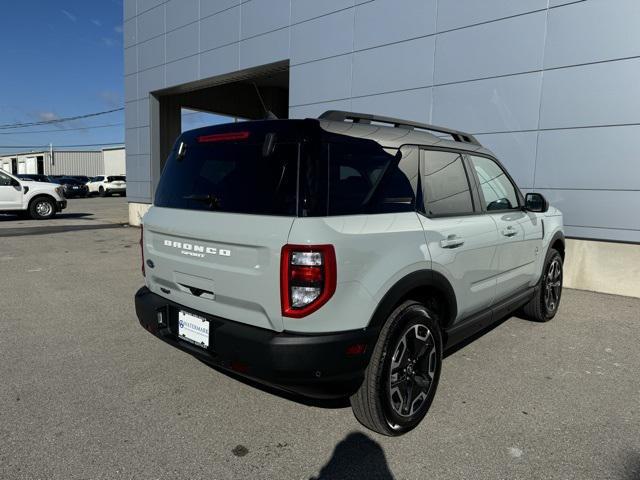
<point>86,393</point>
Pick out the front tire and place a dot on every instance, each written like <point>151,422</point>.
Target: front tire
<point>42,208</point>
<point>544,305</point>
<point>402,377</point>
<point>102,192</point>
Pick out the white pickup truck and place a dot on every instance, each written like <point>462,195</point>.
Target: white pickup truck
<point>39,200</point>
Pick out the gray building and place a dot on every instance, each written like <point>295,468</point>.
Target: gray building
<point>551,86</point>
<point>55,162</point>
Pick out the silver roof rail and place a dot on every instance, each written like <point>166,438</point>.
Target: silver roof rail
<point>365,118</point>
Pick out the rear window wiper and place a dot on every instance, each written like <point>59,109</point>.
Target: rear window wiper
<point>213,202</point>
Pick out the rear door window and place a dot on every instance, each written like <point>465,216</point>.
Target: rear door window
<point>446,185</point>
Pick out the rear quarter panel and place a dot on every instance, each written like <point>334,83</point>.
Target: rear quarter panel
<point>373,252</point>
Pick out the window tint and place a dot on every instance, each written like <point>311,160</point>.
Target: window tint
<point>497,190</point>
<point>446,187</point>
<point>361,178</point>
<point>231,177</point>
<point>4,179</point>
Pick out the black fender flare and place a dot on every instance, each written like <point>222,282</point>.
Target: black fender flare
<point>400,290</point>
<point>557,236</point>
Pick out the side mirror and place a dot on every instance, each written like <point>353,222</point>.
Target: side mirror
<point>535,202</point>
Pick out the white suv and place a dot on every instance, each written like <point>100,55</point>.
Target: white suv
<point>342,256</point>
<point>40,200</point>
<point>108,185</point>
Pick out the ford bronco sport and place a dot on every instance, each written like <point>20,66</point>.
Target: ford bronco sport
<point>341,256</point>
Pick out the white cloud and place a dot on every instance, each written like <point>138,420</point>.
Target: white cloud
<point>47,116</point>
<point>108,42</point>
<point>97,23</point>
<point>117,29</point>
<point>69,15</point>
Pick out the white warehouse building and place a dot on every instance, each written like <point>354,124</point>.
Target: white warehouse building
<point>551,86</point>
<point>108,161</point>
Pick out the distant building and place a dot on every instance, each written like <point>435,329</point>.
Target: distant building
<point>109,161</point>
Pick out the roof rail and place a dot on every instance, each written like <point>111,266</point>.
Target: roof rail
<point>341,116</point>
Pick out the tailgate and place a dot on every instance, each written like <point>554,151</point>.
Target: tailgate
<point>222,264</point>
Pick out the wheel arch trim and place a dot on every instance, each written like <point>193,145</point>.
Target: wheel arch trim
<point>411,282</point>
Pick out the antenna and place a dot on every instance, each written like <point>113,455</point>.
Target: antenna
<point>268,114</point>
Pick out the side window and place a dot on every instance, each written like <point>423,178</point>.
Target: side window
<point>365,178</point>
<point>496,188</point>
<point>445,184</point>
<point>5,180</point>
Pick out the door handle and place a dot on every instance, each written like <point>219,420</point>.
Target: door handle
<point>509,231</point>
<point>452,241</point>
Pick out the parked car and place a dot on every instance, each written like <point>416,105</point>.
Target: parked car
<point>40,200</point>
<point>108,185</point>
<point>35,177</point>
<point>82,178</point>
<point>72,187</point>
<point>342,257</point>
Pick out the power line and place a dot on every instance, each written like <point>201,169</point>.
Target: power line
<point>7,126</point>
<point>63,146</point>
<point>58,130</point>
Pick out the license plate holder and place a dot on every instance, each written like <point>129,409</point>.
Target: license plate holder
<point>193,328</point>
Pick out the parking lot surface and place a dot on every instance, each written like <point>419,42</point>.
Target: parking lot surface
<point>87,393</point>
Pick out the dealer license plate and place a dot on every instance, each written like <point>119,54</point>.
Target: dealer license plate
<point>194,329</point>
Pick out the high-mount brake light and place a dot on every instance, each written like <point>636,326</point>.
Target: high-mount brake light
<point>307,278</point>
<point>223,137</point>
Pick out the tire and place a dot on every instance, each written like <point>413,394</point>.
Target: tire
<point>544,305</point>
<point>42,208</point>
<point>102,192</point>
<point>383,408</point>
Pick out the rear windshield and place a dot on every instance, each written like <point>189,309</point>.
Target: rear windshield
<point>115,179</point>
<point>306,175</point>
<point>231,177</point>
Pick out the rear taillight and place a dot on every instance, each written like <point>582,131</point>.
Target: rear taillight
<point>307,278</point>
<point>142,249</point>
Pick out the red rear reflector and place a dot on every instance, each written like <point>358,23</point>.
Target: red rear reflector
<point>356,349</point>
<point>239,367</point>
<point>224,137</point>
<point>306,274</point>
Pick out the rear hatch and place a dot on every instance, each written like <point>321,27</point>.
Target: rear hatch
<point>222,212</point>
<point>116,182</point>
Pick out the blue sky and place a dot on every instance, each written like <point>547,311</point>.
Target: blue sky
<point>61,58</point>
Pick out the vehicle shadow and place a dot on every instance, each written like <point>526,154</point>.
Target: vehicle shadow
<point>340,402</point>
<point>356,457</point>
<point>60,216</point>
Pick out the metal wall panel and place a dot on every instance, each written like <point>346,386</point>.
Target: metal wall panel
<point>484,72</point>
<point>74,163</point>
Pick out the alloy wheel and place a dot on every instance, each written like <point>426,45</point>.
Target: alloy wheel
<point>553,285</point>
<point>412,370</point>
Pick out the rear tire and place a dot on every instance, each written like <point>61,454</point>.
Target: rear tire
<point>402,377</point>
<point>544,305</point>
<point>102,192</point>
<point>42,208</point>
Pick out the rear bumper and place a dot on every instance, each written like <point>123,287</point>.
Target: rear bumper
<point>316,365</point>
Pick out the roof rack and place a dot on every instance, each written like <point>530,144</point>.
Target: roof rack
<point>341,116</point>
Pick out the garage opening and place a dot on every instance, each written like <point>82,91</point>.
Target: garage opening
<point>251,94</point>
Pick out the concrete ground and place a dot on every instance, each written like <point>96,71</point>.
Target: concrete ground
<point>87,393</point>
